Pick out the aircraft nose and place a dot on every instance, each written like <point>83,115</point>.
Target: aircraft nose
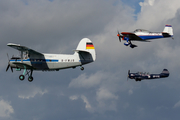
<point>12,65</point>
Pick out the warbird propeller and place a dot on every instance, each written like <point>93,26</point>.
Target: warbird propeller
<point>142,76</point>
<point>31,60</point>
<point>144,35</point>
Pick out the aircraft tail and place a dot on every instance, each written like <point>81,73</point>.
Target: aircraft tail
<point>168,29</point>
<point>86,51</point>
<point>165,73</point>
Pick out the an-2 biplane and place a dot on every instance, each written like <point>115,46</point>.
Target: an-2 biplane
<point>144,35</point>
<point>31,60</point>
<point>141,76</point>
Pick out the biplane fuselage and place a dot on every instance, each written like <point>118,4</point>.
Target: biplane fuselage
<point>49,62</point>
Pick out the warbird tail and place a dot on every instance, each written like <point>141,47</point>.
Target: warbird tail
<point>168,29</point>
<point>165,73</point>
<point>86,51</point>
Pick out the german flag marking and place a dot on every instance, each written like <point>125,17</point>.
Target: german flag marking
<point>89,46</point>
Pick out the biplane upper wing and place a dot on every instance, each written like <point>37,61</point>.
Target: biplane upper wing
<point>24,49</point>
<point>132,36</point>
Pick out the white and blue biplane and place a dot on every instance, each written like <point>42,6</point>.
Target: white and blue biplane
<point>31,60</point>
<point>144,35</point>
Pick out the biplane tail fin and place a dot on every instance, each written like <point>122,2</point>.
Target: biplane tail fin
<point>168,29</point>
<point>86,51</point>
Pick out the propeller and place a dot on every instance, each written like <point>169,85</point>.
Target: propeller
<point>119,35</point>
<point>8,64</point>
<point>7,67</point>
<point>128,74</point>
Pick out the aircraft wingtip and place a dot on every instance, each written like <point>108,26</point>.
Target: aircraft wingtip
<point>10,44</point>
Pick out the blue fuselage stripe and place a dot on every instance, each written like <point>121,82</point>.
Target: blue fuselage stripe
<point>151,37</point>
<point>34,60</point>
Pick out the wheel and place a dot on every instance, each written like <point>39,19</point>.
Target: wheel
<point>30,78</point>
<point>82,68</point>
<point>132,46</point>
<point>21,77</point>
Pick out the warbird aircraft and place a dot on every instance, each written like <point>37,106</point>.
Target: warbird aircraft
<point>144,35</point>
<point>31,60</point>
<point>141,76</point>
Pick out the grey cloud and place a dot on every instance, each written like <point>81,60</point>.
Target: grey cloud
<point>85,81</point>
<point>101,91</point>
<point>5,109</point>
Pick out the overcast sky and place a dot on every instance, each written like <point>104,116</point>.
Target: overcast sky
<point>101,91</point>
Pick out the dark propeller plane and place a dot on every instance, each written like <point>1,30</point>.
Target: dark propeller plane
<point>141,76</point>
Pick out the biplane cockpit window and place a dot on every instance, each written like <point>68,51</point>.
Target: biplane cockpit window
<point>26,55</point>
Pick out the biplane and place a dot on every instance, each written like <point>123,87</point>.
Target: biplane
<point>31,60</point>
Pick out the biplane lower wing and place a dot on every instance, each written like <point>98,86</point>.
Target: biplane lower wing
<point>23,65</point>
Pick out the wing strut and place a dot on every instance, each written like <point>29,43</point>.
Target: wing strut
<point>21,56</point>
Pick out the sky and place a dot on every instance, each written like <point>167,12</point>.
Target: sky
<point>101,91</point>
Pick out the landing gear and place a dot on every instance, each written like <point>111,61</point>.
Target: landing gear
<point>27,72</point>
<point>132,45</point>
<point>138,80</point>
<point>21,77</point>
<point>128,42</point>
<point>30,78</point>
<point>82,68</point>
